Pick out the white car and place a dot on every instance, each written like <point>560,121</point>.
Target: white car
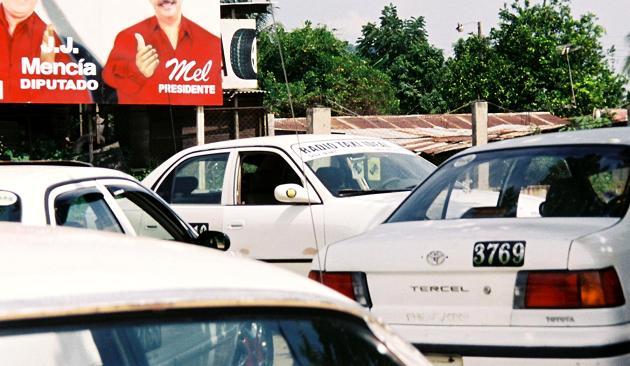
<point>514,253</point>
<point>79,297</point>
<point>281,199</point>
<point>77,195</point>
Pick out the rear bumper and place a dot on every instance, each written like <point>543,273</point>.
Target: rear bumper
<point>521,342</point>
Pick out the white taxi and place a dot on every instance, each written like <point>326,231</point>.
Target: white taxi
<point>514,253</point>
<point>76,195</point>
<point>77,297</point>
<point>281,199</point>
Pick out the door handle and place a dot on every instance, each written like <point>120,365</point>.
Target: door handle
<point>236,225</point>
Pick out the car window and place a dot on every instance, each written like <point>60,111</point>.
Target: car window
<point>148,216</point>
<point>10,207</point>
<point>85,208</point>
<point>370,172</point>
<point>282,339</point>
<point>565,181</point>
<point>260,174</point>
<point>198,180</point>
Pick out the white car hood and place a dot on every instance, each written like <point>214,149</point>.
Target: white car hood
<point>350,216</point>
<point>403,244</point>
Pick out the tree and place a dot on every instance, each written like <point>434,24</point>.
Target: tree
<point>321,69</point>
<point>526,60</point>
<point>400,48</point>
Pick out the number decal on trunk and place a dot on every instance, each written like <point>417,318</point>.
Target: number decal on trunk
<point>499,254</point>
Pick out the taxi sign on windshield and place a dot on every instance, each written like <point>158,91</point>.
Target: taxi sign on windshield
<point>320,149</point>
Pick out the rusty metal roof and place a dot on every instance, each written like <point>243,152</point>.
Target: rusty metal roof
<point>437,133</point>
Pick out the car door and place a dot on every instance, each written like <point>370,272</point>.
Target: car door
<point>261,227</point>
<point>195,186</point>
<point>146,213</point>
<point>84,205</point>
<point>115,205</point>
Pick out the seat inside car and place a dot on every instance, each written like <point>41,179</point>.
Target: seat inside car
<point>183,188</point>
<point>571,197</point>
<point>336,178</point>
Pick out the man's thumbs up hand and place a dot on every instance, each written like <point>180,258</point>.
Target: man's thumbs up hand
<point>47,48</point>
<point>146,57</point>
<point>140,41</point>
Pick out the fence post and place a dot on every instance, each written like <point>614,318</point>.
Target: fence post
<point>318,121</point>
<point>201,126</point>
<point>271,124</point>
<point>480,123</point>
<point>480,137</point>
<point>237,123</point>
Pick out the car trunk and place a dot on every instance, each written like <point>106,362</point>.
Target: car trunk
<point>423,272</point>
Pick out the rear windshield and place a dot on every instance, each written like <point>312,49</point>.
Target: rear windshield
<point>257,338</point>
<point>564,181</point>
<point>10,207</point>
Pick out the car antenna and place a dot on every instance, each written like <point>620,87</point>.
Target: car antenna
<point>297,135</point>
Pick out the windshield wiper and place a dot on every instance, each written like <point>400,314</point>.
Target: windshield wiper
<point>358,192</point>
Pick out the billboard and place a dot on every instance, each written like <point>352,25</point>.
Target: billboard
<point>114,51</point>
<point>239,53</point>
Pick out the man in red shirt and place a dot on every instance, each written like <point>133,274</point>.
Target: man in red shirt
<point>165,59</point>
<point>22,34</point>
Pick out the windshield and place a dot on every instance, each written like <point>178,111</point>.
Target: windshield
<point>566,181</point>
<point>370,172</point>
<point>257,339</point>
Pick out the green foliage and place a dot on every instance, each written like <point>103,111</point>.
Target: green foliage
<point>41,149</point>
<point>521,66</point>
<point>587,122</point>
<point>321,69</point>
<point>400,48</point>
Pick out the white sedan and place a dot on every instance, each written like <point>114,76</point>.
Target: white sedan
<point>77,297</point>
<point>75,195</point>
<point>281,199</point>
<point>514,253</point>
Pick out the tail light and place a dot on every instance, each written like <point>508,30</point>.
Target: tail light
<point>568,289</point>
<point>351,284</point>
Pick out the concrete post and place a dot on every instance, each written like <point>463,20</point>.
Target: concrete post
<point>271,124</point>
<point>201,126</point>
<point>480,123</point>
<point>318,121</point>
<point>480,137</point>
<point>237,123</point>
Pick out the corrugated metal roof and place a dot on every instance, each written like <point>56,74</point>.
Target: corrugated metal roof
<point>435,134</point>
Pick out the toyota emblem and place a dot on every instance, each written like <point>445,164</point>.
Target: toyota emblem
<point>436,257</point>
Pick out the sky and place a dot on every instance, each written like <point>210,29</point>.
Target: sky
<point>347,17</point>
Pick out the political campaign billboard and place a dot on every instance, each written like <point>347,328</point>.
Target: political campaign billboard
<point>114,51</point>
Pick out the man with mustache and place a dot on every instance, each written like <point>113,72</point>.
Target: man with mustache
<point>22,33</point>
<point>165,59</point>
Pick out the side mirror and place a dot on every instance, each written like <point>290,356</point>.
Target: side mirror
<point>293,193</point>
<point>214,240</point>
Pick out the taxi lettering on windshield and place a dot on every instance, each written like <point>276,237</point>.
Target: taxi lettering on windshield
<point>315,150</point>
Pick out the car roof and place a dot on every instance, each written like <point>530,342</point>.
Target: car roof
<point>51,272</point>
<point>32,176</point>
<point>611,135</point>
<point>284,141</point>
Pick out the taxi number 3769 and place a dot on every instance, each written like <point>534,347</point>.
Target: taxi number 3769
<point>499,254</point>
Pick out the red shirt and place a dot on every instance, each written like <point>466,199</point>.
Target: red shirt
<point>25,42</point>
<point>188,84</point>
